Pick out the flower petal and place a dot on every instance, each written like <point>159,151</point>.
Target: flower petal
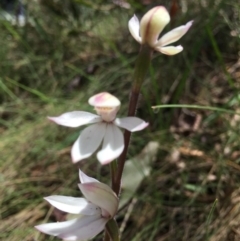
<point>75,118</point>
<point>82,228</point>
<point>85,179</point>
<point>88,141</point>
<point>170,50</point>
<point>101,195</point>
<point>113,145</point>
<point>73,205</point>
<point>60,227</point>
<point>133,26</point>
<point>174,35</point>
<point>131,123</point>
<point>87,231</point>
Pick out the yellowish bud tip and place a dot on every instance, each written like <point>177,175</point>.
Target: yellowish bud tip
<point>152,24</point>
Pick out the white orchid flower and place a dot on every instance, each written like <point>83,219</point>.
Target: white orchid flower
<point>151,25</point>
<point>104,129</point>
<point>95,210</point>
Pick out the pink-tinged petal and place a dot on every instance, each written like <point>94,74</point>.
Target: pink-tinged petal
<point>76,118</point>
<point>83,228</point>
<point>101,195</point>
<point>170,50</point>
<point>86,232</point>
<point>131,123</point>
<point>113,145</point>
<point>134,26</point>
<point>174,35</point>
<point>104,99</point>
<point>88,141</point>
<point>73,205</point>
<point>85,179</point>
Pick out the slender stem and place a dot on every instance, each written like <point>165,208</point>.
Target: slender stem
<point>141,68</point>
<point>113,170</point>
<point>142,64</point>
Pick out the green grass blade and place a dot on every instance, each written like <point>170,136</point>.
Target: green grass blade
<point>201,107</point>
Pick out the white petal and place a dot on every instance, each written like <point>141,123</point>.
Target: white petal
<point>75,118</point>
<point>85,179</point>
<point>174,35</point>
<point>131,123</point>
<point>170,50</point>
<point>86,232</point>
<point>88,141</point>
<point>113,145</point>
<point>73,205</point>
<point>60,227</point>
<point>77,229</point>
<point>133,26</point>
<point>101,195</point>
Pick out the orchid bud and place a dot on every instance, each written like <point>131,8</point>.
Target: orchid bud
<point>152,24</point>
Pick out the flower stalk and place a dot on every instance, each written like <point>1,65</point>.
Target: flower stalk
<point>142,64</point>
<point>113,171</point>
<point>146,32</point>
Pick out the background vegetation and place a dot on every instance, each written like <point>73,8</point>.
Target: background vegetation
<point>68,51</point>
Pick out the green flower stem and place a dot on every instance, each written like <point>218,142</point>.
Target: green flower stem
<point>141,68</point>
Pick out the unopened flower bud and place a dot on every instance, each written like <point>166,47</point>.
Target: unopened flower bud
<point>152,24</point>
